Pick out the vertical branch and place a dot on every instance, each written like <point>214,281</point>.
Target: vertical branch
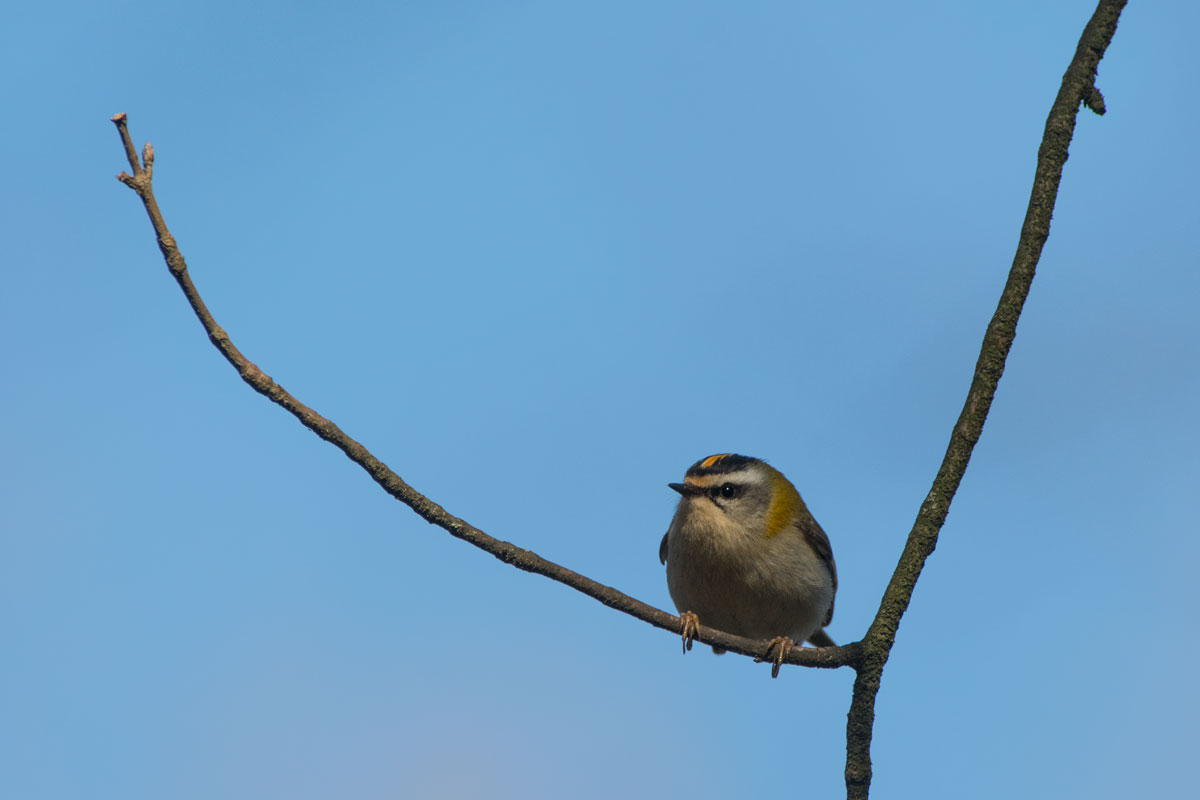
<point>1078,86</point>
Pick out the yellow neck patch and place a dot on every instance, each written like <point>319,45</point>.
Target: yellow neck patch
<point>786,504</point>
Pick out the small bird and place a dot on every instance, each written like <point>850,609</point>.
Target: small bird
<point>745,556</point>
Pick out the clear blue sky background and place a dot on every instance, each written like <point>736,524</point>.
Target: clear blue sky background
<point>540,257</point>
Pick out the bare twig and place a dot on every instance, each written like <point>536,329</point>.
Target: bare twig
<point>392,483</point>
<point>1078,86</point>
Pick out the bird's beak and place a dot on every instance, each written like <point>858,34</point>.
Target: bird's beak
<point>686,489</point>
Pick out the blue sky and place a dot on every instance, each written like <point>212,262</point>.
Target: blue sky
<point>540,257</point>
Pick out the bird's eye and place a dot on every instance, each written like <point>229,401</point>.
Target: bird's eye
<point>729,491</point>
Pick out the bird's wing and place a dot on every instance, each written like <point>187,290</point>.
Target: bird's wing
<point>819,542</point>
<point>662,549</point>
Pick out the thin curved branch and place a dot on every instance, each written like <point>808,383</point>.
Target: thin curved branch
<point>428,510</point>
<point>1078,86</point>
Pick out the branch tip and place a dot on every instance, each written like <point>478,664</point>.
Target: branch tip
<point>126,142</point>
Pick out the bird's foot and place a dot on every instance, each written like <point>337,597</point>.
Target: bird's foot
<point>777,650</point>
<point>688,628</point>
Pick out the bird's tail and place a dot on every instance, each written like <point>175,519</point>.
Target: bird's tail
<point>821,639</point>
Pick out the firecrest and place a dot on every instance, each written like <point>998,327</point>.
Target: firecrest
<point>745,556</point>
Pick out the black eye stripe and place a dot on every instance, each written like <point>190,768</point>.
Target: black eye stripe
<point>725,491</point>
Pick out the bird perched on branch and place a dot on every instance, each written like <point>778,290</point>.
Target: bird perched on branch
<point>745,556</point>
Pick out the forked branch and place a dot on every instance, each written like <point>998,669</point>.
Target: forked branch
<point>868,656</point>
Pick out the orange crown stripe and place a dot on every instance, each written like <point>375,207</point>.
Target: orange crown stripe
<point>708,462</point>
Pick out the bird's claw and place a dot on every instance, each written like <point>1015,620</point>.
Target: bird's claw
<point>689,626</point>
<point>777,650</point>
